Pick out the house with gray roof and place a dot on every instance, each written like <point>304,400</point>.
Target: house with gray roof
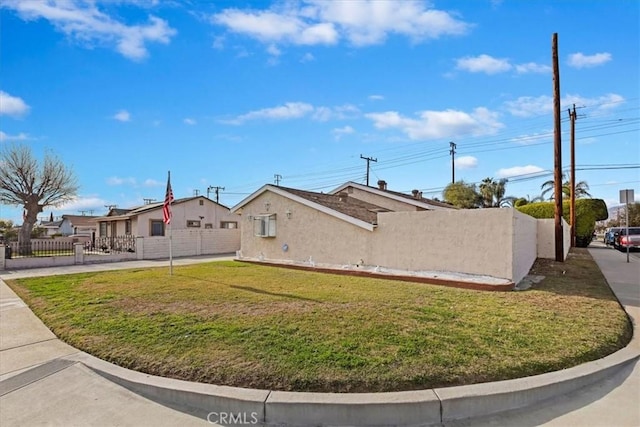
<point>356,226</point>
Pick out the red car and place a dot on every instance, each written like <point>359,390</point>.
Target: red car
<point>623,241</point>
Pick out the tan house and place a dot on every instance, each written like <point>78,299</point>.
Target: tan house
<point>78,225</point>
<point>189,213</point>
<point>360,227</point>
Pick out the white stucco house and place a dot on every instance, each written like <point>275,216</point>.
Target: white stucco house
<point>356,226</point>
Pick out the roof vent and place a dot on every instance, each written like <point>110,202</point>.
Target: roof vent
<point>382,184</point>
<point>417,194</point>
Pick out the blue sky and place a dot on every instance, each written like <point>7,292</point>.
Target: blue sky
<point>231,93</point>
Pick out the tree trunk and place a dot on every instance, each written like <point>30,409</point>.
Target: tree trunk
<point>24,235</point>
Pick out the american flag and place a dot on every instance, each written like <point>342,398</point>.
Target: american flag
<point>168,199</point>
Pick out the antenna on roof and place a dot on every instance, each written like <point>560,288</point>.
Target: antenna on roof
<point>277,178</point>
<point>109,207</point>
<point>196,192</point>
<point>148,201</point>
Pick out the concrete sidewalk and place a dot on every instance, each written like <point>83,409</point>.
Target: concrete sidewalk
<point>46,382</point>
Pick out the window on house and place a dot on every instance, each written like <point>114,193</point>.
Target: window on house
<point>103,229</point>
<point>157,227</point>
<point>193,223</point>
<point>201,202</point>
<point>228,224</point>
<point>208,226</point>
<point>127,226</point>
<point>264,225</point>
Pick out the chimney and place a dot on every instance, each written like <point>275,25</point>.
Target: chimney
<point>382,184</point>
<point>416,194</point>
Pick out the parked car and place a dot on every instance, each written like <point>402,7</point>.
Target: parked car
<point>623,241</point>
<point>610,235</point>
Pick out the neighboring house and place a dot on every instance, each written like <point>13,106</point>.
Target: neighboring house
<point>78,225</point>
<point>51,228</point>
<point>188,213</point>
<point>356,226</point>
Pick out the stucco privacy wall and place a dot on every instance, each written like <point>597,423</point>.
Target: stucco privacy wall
<point>525,249</point>
<point>547,238</point>
<point>494,242</point>
<point>191,243</point>
<point>308,234</point>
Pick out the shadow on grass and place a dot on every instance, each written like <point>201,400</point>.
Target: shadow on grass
<point>578,275</point>
<point>276,294</point>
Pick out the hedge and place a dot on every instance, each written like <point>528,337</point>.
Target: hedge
<point>588,211</point>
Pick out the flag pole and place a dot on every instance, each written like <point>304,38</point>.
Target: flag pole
<point>166,217</point>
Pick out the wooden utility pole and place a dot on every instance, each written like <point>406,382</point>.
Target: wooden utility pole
<point>368,159</point>
<point>216,189</point>
<point>573,117</point>
<point>557,151</point>
<point>452,151</point>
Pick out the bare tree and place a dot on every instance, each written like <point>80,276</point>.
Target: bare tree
<point>26,182</point>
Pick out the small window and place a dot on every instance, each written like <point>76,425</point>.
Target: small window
<point>201,202</point>
<point>103,229</point>
<point>208,226</point>
<point>157,227</point>
<point>127,226</point>
<point>228,224</point>
<point>264,225</point>
<point>193,223</point>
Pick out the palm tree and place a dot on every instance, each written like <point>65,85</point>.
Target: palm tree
<point>582,189</point>
<point>492,193</point>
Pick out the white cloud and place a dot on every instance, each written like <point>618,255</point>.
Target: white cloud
<point>466,162</point>
<point>90,204</point>
<point>122,116</point>
<point>483,64</point>
<point>8,138</point>
<point>532,67</point>
<point>580,60</point>
<point>518,171</point>
<point>296,110</point>
<point>440,124</point>
<point>85,23</point>
<point>527,106</point>
<point>307,57</point>
<point>189,121</point>
<point>12,105</point>
<point>376,97</point>
<point>115,180</point>
<point>340,132</point>
<point>150,182</point>
<point>366,22</point>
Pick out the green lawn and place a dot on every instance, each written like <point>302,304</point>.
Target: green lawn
<point>264,327</point>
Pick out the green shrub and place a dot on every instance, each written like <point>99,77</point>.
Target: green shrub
<point>588,211</point>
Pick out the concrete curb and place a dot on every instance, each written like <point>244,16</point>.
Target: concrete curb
<point>414,408</point>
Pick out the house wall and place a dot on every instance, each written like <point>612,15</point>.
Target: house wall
<point>308,233</point>
<point>385,202</point>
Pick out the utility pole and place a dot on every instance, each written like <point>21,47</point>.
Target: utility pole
<point>368,159</point>
<point>557,151</point>
<point>452,151</point>
<point>276,179</point>
<point>217,191</point>
<point>573,117</point>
